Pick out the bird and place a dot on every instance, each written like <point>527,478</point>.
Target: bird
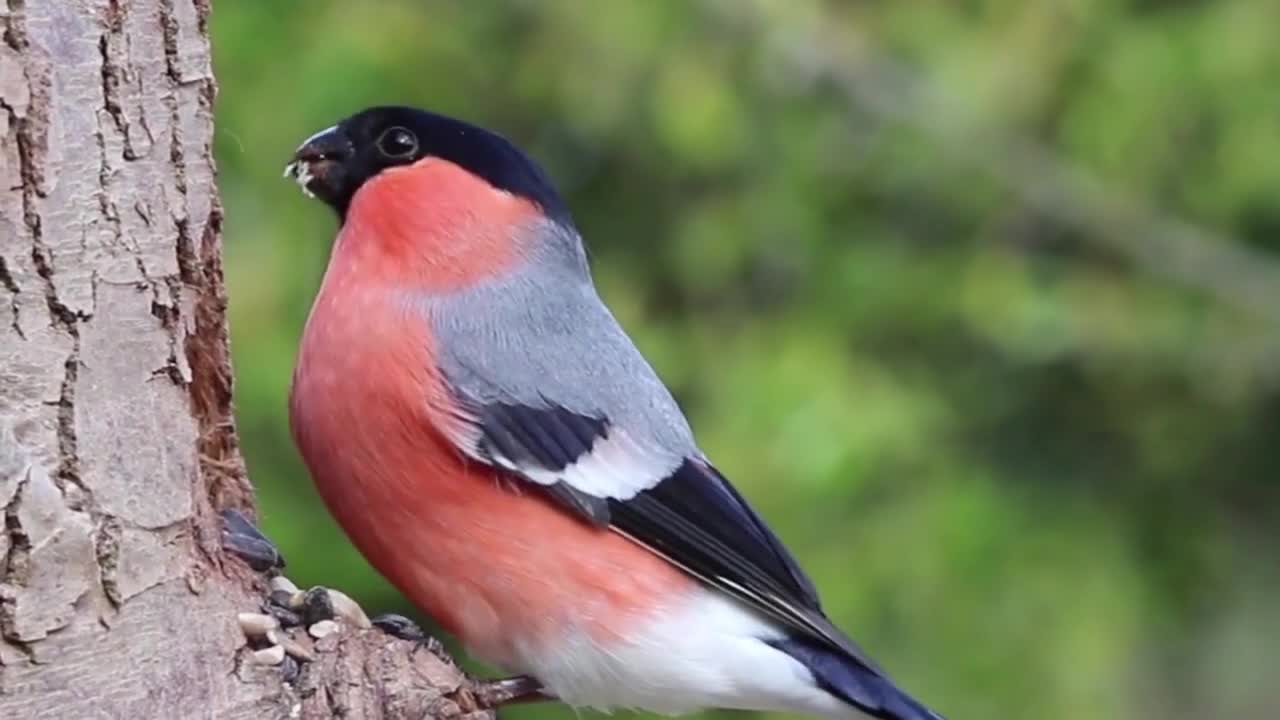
<point>494,444</point>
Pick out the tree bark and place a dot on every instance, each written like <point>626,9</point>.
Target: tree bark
<point>117,445</point>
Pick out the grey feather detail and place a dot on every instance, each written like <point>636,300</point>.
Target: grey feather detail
<point>541,337</point>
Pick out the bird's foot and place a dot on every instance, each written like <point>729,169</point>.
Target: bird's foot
<point>399,626</point>
<point>492,694</point>
<point>483,694</point>
<point>243,539</point>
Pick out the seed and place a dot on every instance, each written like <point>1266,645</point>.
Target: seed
<point>273,655</point>
<point>323,629</point>
<point>287,617</point>
<point>281,583</point>
<point>296,649</point>
<point>255,625</point>
<point>290,669</point>
<point>347,609</point>
<point>317,605</point>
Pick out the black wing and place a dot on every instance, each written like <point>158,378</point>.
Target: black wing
<point>525,440</point>
<point>692,516</point>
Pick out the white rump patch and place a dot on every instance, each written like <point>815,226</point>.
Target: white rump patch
<point>703,650</point>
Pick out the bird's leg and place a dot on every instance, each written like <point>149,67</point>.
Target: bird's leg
<point>488,694</point>
<point>243,539</point>
<point>491,694</point>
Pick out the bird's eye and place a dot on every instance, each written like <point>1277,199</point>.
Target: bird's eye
<point>398,142</point>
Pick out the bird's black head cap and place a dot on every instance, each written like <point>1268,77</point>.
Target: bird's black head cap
<point>334,163</point>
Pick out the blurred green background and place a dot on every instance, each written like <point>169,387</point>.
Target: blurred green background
<point>977,301</point>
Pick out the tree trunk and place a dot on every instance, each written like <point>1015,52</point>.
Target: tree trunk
<point>117,446</point>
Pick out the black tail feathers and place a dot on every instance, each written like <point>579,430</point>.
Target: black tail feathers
<point>865,688</point>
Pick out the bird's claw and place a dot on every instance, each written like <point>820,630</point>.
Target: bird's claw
<point>493,694</point>
<point>243,539</point>
<point>399,626</point>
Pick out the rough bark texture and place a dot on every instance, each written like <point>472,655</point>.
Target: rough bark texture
<point>117,447</point>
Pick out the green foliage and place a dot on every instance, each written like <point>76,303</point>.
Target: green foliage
<point>1022,438</point>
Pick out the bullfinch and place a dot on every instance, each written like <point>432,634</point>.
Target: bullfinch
<point>494,444</point>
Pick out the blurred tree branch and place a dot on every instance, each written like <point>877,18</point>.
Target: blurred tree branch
<point>874,83</point>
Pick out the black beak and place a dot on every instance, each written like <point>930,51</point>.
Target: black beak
<point>317,164</point>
